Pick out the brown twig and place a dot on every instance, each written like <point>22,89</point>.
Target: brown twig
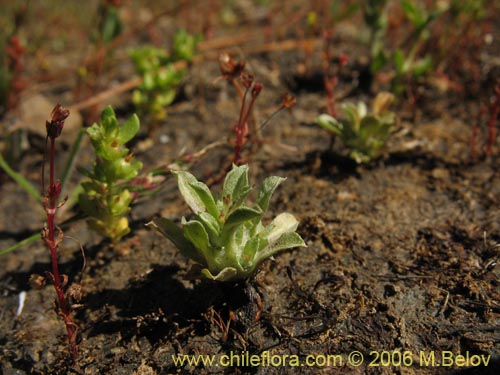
<point>134,82</point>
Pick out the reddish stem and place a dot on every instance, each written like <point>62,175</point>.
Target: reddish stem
<point>241,128</point>
<point>54,128</point>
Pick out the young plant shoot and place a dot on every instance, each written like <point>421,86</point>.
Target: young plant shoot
<point>52,235</point>
<point>226,236</point>
<point>106,197</point>
<point>363,133</point>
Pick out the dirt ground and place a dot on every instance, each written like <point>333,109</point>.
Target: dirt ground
<point>401,257</point>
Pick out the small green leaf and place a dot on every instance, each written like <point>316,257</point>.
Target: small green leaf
<point>211,225</point>
<point>129,129</point>
<point>206,197</point>
<point>195,232</point>
<point>416,16</point>
<point>175,234</point>
<point>283,223</point>
<point>286,241</point>
<point>236,187</point>
<point>329,123</point>
<point>266,191</point>
<point>185,181</point>
<point>422,66</point>
<point>107,113</point>
<point>252,247</point>
<point>399,62</point>
<point>241,215</point>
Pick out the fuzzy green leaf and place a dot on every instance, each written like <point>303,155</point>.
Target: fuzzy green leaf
<point>252,247</point>
<point>329,123</point>
<point>211,225</point>
<point>206,197</point>
<point>241,215</point>
<point>236,187</point>
<point>266,191</point>
<point>186,181</point>
<point>175,234</point>
<point>286,241</point>
<point>283,223</point>
<point>195,232</point>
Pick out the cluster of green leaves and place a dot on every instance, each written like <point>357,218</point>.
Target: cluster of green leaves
<point>160,78</point>
<point>226,236</point>
<point>363,133</point>
<point>409,64</point>
<point>404,59</point>
<point>106,198</point>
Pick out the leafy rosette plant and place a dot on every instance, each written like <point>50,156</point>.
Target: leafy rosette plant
<point>106,197</point>
<point>226,236</point>
<point>363,133</point>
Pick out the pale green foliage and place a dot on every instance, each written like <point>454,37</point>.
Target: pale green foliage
<point>363,133</point>
<point>226,236</point>
<point>160,78</point>
<point>106,198</point>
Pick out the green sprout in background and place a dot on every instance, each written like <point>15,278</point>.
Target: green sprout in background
<point>363,133</point>
<point>109,23</point>
<point>160,77</point>
<point>226,236</point>
<point>405,61</point>
<point>106,197</point>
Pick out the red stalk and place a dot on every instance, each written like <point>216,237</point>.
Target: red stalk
<point>63,307</point>
<point>241,128</point>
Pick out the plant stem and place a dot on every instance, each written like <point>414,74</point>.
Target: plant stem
<point>63,307</point>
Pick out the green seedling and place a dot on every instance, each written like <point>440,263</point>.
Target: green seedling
<point>106,197</point>
<point>109,23</point>
<point>407,65</point>
<point>376,19</point>
<point>363,133</point>
<point>160,77</point>
<point>226,236</point>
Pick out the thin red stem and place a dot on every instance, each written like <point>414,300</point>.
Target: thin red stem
<point>51,209</point>
<point>63,307</point>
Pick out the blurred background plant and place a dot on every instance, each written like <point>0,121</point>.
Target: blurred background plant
<point>406,58</point>
<point>160,77</point>
<point>363,133</point>
<point>413,42</point>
